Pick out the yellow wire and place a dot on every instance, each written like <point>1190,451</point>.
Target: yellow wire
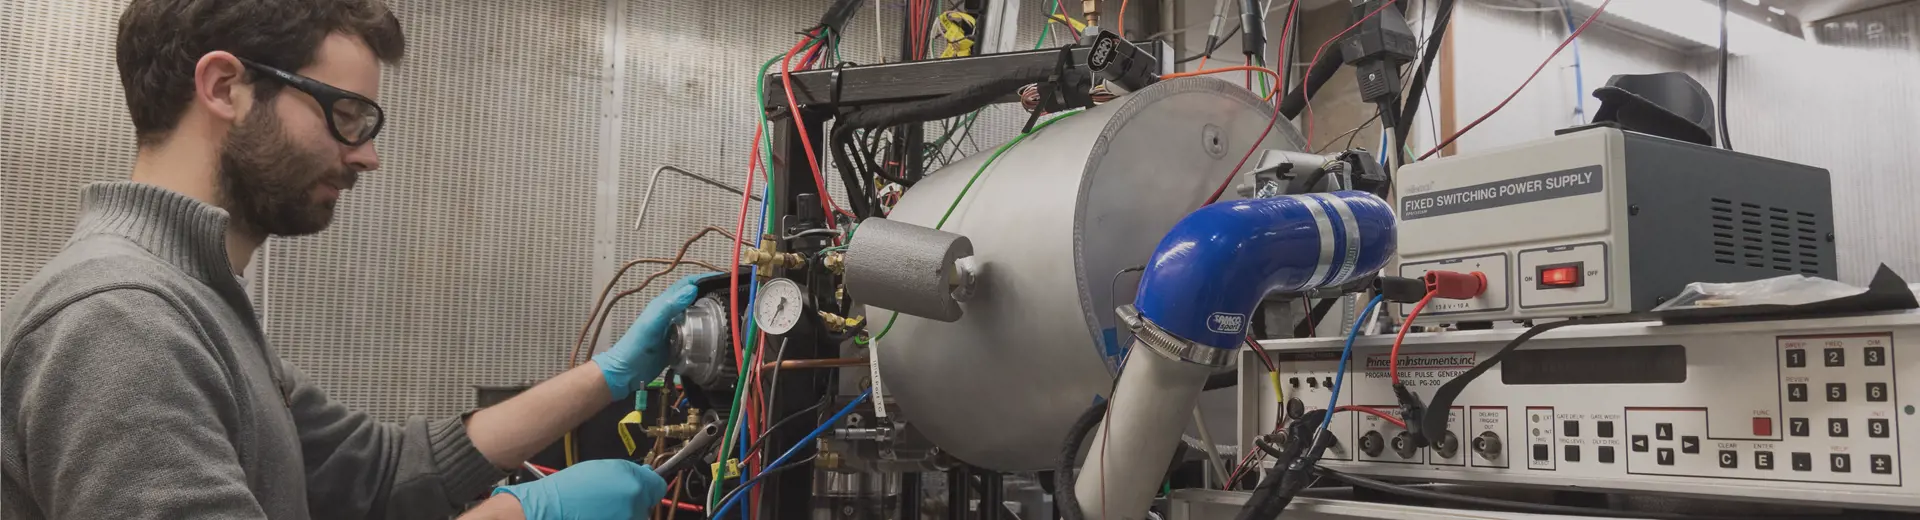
<point>569,449</point>
<point>1277,394</point>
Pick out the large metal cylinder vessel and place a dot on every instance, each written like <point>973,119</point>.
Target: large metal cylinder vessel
<point>1052,221</point>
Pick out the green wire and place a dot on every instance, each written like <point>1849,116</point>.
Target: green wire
<point>1046,24</point>
<point>968,187</point>
<point>765,154</point>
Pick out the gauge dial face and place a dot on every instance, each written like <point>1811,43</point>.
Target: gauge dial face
<point>778,307</point>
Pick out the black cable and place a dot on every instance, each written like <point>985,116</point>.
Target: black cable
<point>764,474</point>
<point>1444,396</point>
<point>849,177</point>
<point>1216,46</point>
<point>1261,442</point>
<point>1304,329</point>
<point>782,422</point>
<point>1726,141</point>
<point>1511,505</point>
<point>1063,475</point>
<point>1442,15</point>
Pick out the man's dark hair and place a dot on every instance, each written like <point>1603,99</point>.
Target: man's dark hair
<point>160,41</point>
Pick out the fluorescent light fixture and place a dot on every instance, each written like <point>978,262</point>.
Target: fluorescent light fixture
<point>1695,21</point>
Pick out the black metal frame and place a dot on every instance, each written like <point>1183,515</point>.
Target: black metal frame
<point>819,95</point>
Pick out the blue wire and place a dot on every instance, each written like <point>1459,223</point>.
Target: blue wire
<point>804,441</point>
<point>1340,375</point>
<point>1579,80</point>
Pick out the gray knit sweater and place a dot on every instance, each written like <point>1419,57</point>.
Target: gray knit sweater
<point>137,383</point>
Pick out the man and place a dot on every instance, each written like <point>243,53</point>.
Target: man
<point>137,382</point>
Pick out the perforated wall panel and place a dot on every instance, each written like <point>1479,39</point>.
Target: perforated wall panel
<point>473,255</point>
<point>63,123</point>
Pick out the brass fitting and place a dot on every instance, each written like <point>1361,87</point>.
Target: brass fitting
<point>684,430</point>
<point>835,323</point>
<point>836,262</point>
<point>674,431</point>
<point>825,459</point>
<point>767,258</point>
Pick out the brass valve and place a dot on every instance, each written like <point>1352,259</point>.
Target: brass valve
<point>684,430</point>
<point>836,262</point>
<point>767,258</point>
<point>835,323</point>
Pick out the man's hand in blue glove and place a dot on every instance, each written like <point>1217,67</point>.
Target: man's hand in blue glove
<point>641,353</point>
<point>609,488</point>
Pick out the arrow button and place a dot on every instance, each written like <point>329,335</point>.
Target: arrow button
<point>1664,457</point>
<point>1663,431</point>
<point>1640,443</point>
<point>1690,444</point>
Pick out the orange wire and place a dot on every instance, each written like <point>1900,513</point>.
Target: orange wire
<point>1373,412</point>
<point>1121,24</point>
<point>1393,356</point>
<point>1249,68</point>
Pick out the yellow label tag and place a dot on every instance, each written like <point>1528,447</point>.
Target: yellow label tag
<point>626,437</point>
<point>733,468</point>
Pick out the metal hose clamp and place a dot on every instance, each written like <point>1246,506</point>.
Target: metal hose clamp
<point>1172,346</point>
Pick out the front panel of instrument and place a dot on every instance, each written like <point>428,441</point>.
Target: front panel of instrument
<point>1804,411</point>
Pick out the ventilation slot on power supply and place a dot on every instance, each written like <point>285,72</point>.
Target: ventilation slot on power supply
<point>1744,234</point>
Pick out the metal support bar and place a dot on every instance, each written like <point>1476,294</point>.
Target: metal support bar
<point>916,80</point>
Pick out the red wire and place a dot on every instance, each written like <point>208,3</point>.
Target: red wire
<point>675,503</point>
<point>1264,360</point>
<point>1523,84</point>
<point>1373,412</point>
<point>819,182</point>
<point>1307,303</point>
<point>1308,98</point>
<point>1276,106</point>
<point>1121,24</point>
<point>1393,356</point>
<point>740,229</point>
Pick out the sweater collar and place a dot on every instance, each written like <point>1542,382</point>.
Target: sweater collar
<point>189,234</point>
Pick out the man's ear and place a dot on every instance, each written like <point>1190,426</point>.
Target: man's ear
<point>220,85</point>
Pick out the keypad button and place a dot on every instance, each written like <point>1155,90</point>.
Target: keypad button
<point>1570,428</point>
<point>1798,427</point>
<point>1837,392</point>
<point>1639,443</point>
<point>1763,460</point>
<point>1690,445</point>
<point>1663,456</point>
<point>1835,357</point>
<point>1570,452</point>
<point>1877,392</point>
<point>1663,431</point>
<point>1729,459</point>
<point>1875,356</point>
<point>1803,462</point>
<point>1797,392</point>
<point>1605,454</point>
<point>1542,452</point>
<point>1603,429</point>
<point>1881,464</point>
<point>1879,428</point>
<point>1836,427</point>
<point>1840,462</point>
<point>1796,358</point>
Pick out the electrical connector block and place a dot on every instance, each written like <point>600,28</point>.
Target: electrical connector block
<point>1454,285</point>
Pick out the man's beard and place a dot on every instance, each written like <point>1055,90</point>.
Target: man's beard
<point>268,180</point>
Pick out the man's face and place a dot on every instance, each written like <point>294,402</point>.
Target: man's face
<point>281,171</point>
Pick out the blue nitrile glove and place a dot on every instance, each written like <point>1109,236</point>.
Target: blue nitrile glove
<point>606,488</point>
<point>641,353</point>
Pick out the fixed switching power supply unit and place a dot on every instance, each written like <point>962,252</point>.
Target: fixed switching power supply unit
<point>1604,221</point>
<point>1817,412</point>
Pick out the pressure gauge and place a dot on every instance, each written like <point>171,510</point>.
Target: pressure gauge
<point>779,306</point>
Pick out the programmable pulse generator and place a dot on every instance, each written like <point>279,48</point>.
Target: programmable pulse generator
<point>1813,411</point>
<point>1602,221</point>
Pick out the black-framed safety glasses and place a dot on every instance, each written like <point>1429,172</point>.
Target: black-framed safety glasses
<point>351,117</point>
